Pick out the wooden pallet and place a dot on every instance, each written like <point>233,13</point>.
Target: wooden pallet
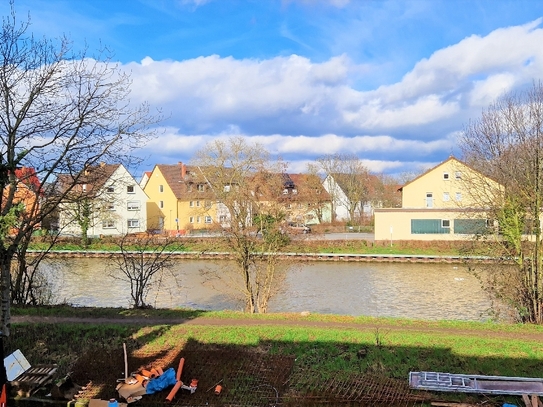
<point>34,378</point>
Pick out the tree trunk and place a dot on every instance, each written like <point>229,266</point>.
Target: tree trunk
<point>6,256</point>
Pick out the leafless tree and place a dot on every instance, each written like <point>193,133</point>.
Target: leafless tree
<point>506,145</point>
<point>247,186</point>
<point>384,191</point>
<point>347,172</point>
<point>315,195</point>
<point>59,113</point>
<point>141,262</point>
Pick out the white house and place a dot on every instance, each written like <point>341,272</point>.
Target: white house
<point>109,199</point>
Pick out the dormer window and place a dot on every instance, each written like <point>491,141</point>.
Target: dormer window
<point>201,187</point>
<point>446,176</point>
<point>285,191</point>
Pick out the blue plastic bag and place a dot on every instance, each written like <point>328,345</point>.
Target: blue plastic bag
<point>161,382</point>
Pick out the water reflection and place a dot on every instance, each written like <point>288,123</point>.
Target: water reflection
<point>425,291</point>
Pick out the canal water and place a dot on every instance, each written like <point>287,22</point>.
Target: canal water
<point>421,291</point>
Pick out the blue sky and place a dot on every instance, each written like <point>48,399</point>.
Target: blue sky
<point>393,82</point>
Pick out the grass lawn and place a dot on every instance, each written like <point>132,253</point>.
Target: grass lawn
<point>302,358</point>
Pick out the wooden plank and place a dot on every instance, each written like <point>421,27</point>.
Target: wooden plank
<point>527,400</point>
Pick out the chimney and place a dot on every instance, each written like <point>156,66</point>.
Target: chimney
<point>183,170</point>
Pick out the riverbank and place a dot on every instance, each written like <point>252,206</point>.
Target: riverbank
<point>293,357</point>
<point>353,257</point>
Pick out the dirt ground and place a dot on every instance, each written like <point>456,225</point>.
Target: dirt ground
<point>248,377</point>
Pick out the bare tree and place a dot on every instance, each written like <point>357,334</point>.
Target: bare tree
<point>347,182</point>
<point>60,112</point>
<point>247,186</point>
<point>384,192</point>
<point>141,262</point>
<point>506,144</point>
<point>312,192</point>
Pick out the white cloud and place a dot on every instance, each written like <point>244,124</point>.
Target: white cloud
<point>274,100</point>
<point>295,94</point>
<point>474,56</point>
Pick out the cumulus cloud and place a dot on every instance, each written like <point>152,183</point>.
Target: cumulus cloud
<point>297,107</point>
<point>292,93</point>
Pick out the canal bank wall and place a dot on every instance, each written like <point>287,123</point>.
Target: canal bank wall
<point>332,257</point>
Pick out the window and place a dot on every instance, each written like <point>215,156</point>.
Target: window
<point>189,188</point>
<point>161,204</point>
<point>191,219</point>
<point>446,176</point>
<point>445,196</point>
<point>108,224</point>
<point>201,187</point>
<point>222,218</point>
<point>133,205</point>
<point>207,204</point>
<point>110,189</point>
<point>198,204</point>
<point>133,223</point>
<point>161,188</point>
<point>470,226</point>
<point>110,206</point>
<point>191,204</point>
<point>295,191</point>
<point>458,196</point>
<point>130,189</point>
<point>428,226</point>
<point>84,186</point>
<point>208,219</point>
<point>445,223</point>
<point>285,191</point>
<point>198,219</point>
<point>458,175</point>
<point>226,188</point>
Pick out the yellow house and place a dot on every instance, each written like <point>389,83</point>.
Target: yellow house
<point>447,202</point>
<point>180,200</point>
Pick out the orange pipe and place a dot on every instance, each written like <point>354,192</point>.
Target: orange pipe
<point>180,369</point>
<point>174,391</point>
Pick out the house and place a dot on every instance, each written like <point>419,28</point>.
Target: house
<point>354,196</point>
<point>305,199</point>
<point>144,178</point>
<point>106,200</point>
<point>444,203</point>
<point>25,189</point>
<point>180,199</point>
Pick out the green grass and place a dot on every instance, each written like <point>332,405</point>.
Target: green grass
<point>392,347</point>
<point>312,245</point>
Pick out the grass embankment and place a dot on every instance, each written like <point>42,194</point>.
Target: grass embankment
<point>299,244</point>
<point>324,347</point>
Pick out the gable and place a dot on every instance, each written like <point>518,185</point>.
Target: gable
<point>449,184</point>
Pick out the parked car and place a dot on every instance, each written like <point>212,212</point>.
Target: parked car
<point>294,228</point>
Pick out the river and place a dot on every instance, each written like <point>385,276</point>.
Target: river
<point>411,290</point>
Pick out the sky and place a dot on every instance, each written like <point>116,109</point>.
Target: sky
<point>392,82</point>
